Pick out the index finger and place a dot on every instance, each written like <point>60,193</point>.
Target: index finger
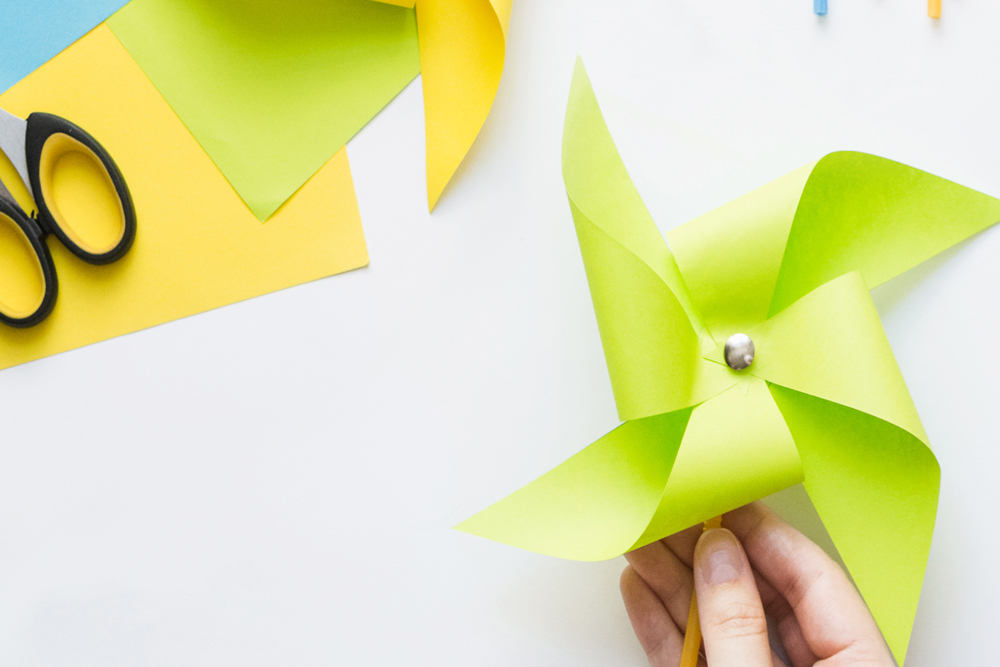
<point>830,611</point>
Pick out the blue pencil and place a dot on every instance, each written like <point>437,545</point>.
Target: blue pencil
<point>819,6</point>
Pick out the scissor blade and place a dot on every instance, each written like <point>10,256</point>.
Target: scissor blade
<point>5,194</point>
<point>12,133</point>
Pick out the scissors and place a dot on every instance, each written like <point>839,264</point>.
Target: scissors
<point>53,156</point>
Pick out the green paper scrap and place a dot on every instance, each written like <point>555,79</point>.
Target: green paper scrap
<point>272,89</point>
<point>824,403</point>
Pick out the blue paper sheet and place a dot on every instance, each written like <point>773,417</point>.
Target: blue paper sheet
<point>32,32</point>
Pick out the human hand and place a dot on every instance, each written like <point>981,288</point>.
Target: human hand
<point>821,618</point>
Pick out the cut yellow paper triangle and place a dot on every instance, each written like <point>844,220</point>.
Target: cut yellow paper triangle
<point>197,246</point>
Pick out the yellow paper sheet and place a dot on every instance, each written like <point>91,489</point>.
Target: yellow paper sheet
<point>198,247</point>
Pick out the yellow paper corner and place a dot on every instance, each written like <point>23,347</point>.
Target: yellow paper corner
<point>198,246</point>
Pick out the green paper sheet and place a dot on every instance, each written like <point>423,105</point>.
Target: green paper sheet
<point>824,402</point>
<point>271,89</point>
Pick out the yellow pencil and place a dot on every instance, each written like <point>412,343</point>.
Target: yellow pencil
<point>934,9</point>
<point>692,638</point>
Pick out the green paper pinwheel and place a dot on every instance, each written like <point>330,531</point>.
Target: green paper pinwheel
<point>823,403</point>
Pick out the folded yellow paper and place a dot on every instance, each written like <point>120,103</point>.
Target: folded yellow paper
<point>198,246</point>
<point>462,48</point>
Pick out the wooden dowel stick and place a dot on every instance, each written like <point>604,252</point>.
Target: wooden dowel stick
<point>692,637</point>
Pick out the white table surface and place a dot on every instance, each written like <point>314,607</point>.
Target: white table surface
<point>273,483</point>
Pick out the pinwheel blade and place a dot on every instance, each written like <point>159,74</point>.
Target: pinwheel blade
<point>649,329</point>
<point>596,504</point>
<point>736,449</point>
<point>864,213</point>
<point>876,487</point>
<point>831,344</point>
<point>730,257</point>
<point>598,184</point>
<point>653,355</point>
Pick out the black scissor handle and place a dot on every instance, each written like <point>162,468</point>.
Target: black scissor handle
<point>20,230</point>
<point>49,138</point>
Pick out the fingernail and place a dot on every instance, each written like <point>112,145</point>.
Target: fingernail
<point>720,558</point>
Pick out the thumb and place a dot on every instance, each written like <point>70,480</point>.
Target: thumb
<point>729,607</point>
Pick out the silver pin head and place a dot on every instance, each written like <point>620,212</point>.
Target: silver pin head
<point>739,352</point>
